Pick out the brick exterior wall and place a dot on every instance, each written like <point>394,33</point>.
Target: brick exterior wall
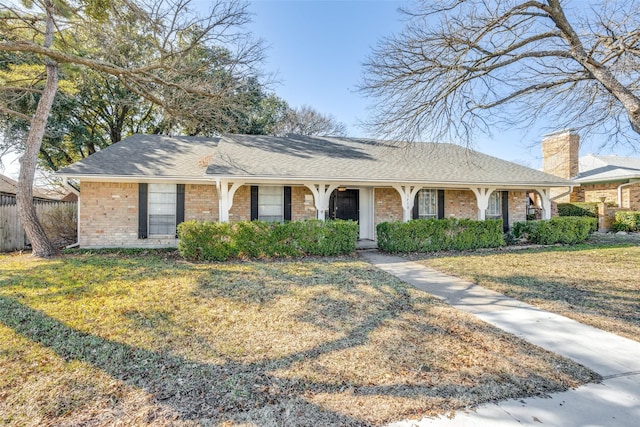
<point>593,193</point>
<point>200,202</point>
<point>387,205</point>
<point>460,204</point>
<point>517,206</point>
<point>109,211</point>
<point>302,204</point>
<point>241,209</point>
<point>109,216</point>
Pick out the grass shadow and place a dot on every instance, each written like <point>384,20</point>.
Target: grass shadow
<point>280,387</point>
<point>192,390</point>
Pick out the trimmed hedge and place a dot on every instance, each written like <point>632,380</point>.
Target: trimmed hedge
<point>627,221</point>
<point>578,209</point>
<point>212,241</point>
<point>562,229</point>
<point>430,235</point>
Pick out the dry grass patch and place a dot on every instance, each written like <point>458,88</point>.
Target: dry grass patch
<point>593,284</point>
<point>149,340</point>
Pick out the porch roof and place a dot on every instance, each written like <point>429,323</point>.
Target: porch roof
<point>304,158</point>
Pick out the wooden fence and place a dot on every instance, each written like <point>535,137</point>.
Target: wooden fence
<point>12,235</point>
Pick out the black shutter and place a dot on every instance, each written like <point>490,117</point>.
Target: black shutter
<point>179,205</point>
<point>143,189</point>
<point>505,211</point>
<point>287,203</point>
<point>416,208</point>
<point>254,202</point>
<point>440,204</point>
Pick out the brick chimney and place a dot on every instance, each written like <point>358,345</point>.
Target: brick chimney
<point>560,153</point>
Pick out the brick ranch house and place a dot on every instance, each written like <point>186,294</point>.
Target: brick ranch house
<point>614,178</point>
<point>135,192</point>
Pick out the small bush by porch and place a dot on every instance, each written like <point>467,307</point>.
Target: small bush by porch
<point>212,241</point>
<point>430,235</point>
<point>563,229</point>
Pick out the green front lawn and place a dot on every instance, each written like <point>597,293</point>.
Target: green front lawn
<point>151,340</point>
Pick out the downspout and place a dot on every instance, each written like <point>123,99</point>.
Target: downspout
<point>566,193</point>
<point>74,190</point>
<point>620,191</point>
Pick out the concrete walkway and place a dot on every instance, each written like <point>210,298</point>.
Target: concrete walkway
<point>612,403</point>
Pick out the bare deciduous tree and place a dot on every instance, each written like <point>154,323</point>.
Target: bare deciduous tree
<point>308,121</point>
<point>196,60</point>
<point>460,67</point>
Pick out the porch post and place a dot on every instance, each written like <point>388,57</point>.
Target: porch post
<point>225,198</point>
<point>321,195</point>
<point>482,199</point>
<point>545,195</point>
<point>407,196</point>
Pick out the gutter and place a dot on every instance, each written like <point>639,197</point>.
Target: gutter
<point>212,179</point>
<point>74,190</point>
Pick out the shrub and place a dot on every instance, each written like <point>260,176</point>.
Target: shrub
<point>626,221</point>
<point>205,240</point>
<point>429,235</point>
<point>60,223</point>
<point>567,229</point>
<point>521,229</point>
<point>578,209</point>
<point>211,241</point>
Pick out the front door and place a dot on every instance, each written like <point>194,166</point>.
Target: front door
<point>345,205</point>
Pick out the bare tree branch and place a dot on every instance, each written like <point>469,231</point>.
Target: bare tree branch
<point>462,67</point>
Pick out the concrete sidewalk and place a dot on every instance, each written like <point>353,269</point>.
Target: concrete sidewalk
<point>614,402</point>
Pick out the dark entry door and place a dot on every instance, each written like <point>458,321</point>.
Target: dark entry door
<point>344,205</point>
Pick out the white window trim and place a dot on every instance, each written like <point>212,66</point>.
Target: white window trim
<point>280,205</point>
<point>149,213</point>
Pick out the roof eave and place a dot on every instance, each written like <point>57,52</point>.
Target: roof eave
<point>305,179</point>
<point>608,180</point>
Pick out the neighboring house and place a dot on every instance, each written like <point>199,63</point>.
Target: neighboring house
<point>9,187</point>
<point>135,192</point>
<point>613,179</point>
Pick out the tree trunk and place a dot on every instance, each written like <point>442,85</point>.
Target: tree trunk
<point>40,244</point>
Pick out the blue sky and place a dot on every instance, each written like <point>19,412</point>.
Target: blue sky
<point>317,47</point>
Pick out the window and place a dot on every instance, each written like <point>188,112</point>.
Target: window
<point>494,210</point>
<point>427,203</point>
<point>271,203</point>
<point>162,209</point>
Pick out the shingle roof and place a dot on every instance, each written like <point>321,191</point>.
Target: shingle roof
<point>302,157</point>
<point>7,185</point>
<point>10,186</point>
<point>149,156</point>
<point>607,168</point>
<point>305,158</point>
